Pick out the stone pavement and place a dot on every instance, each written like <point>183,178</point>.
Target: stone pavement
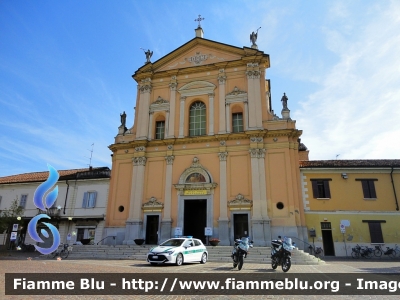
<point>18,262</point>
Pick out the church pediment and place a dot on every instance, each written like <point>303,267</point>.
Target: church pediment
<point>197,52</point>
<point>197,56</point>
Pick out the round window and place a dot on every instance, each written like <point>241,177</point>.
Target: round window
<point>280,205</point>
<point>121,208</point>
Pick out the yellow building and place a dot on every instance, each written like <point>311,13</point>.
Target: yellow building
<point>349,202</point>
<point>206,151</point>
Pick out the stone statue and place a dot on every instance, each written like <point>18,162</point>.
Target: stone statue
<point>253,38</point>
<point>123,119</point>
<point>284,101</point>
<point>148,54</point>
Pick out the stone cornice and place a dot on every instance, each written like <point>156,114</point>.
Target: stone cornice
<point>292,133</point>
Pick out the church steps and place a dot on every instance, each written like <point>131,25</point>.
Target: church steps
<point>216,254</point>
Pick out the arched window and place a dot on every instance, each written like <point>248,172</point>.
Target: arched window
<point>197,119</point>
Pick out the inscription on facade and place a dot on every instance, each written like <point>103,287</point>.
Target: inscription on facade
<point>195,192</point>
<point>197,58</point>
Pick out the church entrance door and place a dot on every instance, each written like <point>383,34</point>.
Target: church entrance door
<point>240,225</point>
<point>195,218</point>
<point>152,230</point>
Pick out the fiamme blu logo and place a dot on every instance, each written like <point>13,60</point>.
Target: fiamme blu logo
<point>43,203</point>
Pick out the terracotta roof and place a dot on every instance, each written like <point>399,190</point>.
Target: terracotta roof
<point>356,163</point>
<point>64,175</point>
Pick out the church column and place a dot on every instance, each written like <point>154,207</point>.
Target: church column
<point>150,125</point>
<point>182,116</point>
<point>223,225</point>
<point>144,100</point>
<point>228,119</point>
<point>166,223</point>
<point>263,194</point>
<point>221,99</point>
<point>171,127</point>
<point>254,96</point>
<point>134,224</point>
<point>258,221</point>
<point>211,114</point>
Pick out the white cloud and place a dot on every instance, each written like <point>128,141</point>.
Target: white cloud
<point>355,113</point>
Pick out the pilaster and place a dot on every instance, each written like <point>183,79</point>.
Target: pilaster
<point>211,113</point>
<point>182,116</point>
<point>171,125</point>
<point>221,99</point>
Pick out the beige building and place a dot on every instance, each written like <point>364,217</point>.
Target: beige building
<point>78,213</point>
<point>206,151</point>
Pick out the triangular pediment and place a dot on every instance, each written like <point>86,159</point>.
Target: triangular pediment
<point>199,52</point>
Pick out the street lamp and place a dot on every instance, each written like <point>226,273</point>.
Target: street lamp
<point>19,218</point>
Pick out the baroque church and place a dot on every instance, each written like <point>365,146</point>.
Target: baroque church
<point>206,155</point>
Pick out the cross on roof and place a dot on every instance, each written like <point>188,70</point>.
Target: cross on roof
<point>199,19</point>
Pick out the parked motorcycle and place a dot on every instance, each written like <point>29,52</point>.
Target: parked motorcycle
<point>281,255</point>
<point>240,251</point>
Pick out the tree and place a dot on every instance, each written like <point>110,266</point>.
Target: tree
<point>9,216</point>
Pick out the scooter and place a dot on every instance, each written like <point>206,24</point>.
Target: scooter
<point>281,255</point>
<point>240,251</point>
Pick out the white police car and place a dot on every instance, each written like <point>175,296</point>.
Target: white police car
<point>177,251</point>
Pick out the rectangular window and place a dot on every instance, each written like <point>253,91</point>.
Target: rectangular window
<point>368,187</point>
<point>375,231</point>
<point>22,203</point>
<point>237,122</point>
<point>160,130</point>
<point>89,199</point>
<point>321,188</point>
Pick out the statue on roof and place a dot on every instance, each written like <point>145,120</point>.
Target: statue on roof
<point>148,54</point>
<point>284,101</point>
<point>123,119</point>
<point>253,38</point>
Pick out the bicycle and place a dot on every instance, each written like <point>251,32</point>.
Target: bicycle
<point>62,252</point>
<point>378,251</point>
<point>397,250</point>
<point>390,252</point>
<point>361,251</point>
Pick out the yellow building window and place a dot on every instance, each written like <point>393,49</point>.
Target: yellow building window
<point>320,188</point>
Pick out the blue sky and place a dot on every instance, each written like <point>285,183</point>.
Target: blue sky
<point>66,66</point>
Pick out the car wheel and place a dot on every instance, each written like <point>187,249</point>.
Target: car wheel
<point>203,258</point>
<point>179,259</point>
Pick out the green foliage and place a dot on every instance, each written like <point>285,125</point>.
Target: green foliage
<point>9,216</point>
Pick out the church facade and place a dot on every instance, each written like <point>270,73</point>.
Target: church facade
<point>206,153</point>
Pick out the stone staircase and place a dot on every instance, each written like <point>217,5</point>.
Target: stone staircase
<point>215,254</point>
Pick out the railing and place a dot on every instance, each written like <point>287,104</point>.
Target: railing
<point>113,236</point>
<point>304,242</point>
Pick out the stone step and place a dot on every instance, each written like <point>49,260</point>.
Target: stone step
<point>217,254</point>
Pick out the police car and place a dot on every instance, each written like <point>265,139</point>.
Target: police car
<point>177,251</point>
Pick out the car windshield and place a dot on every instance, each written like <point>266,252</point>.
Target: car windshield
<point>173,242</point>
